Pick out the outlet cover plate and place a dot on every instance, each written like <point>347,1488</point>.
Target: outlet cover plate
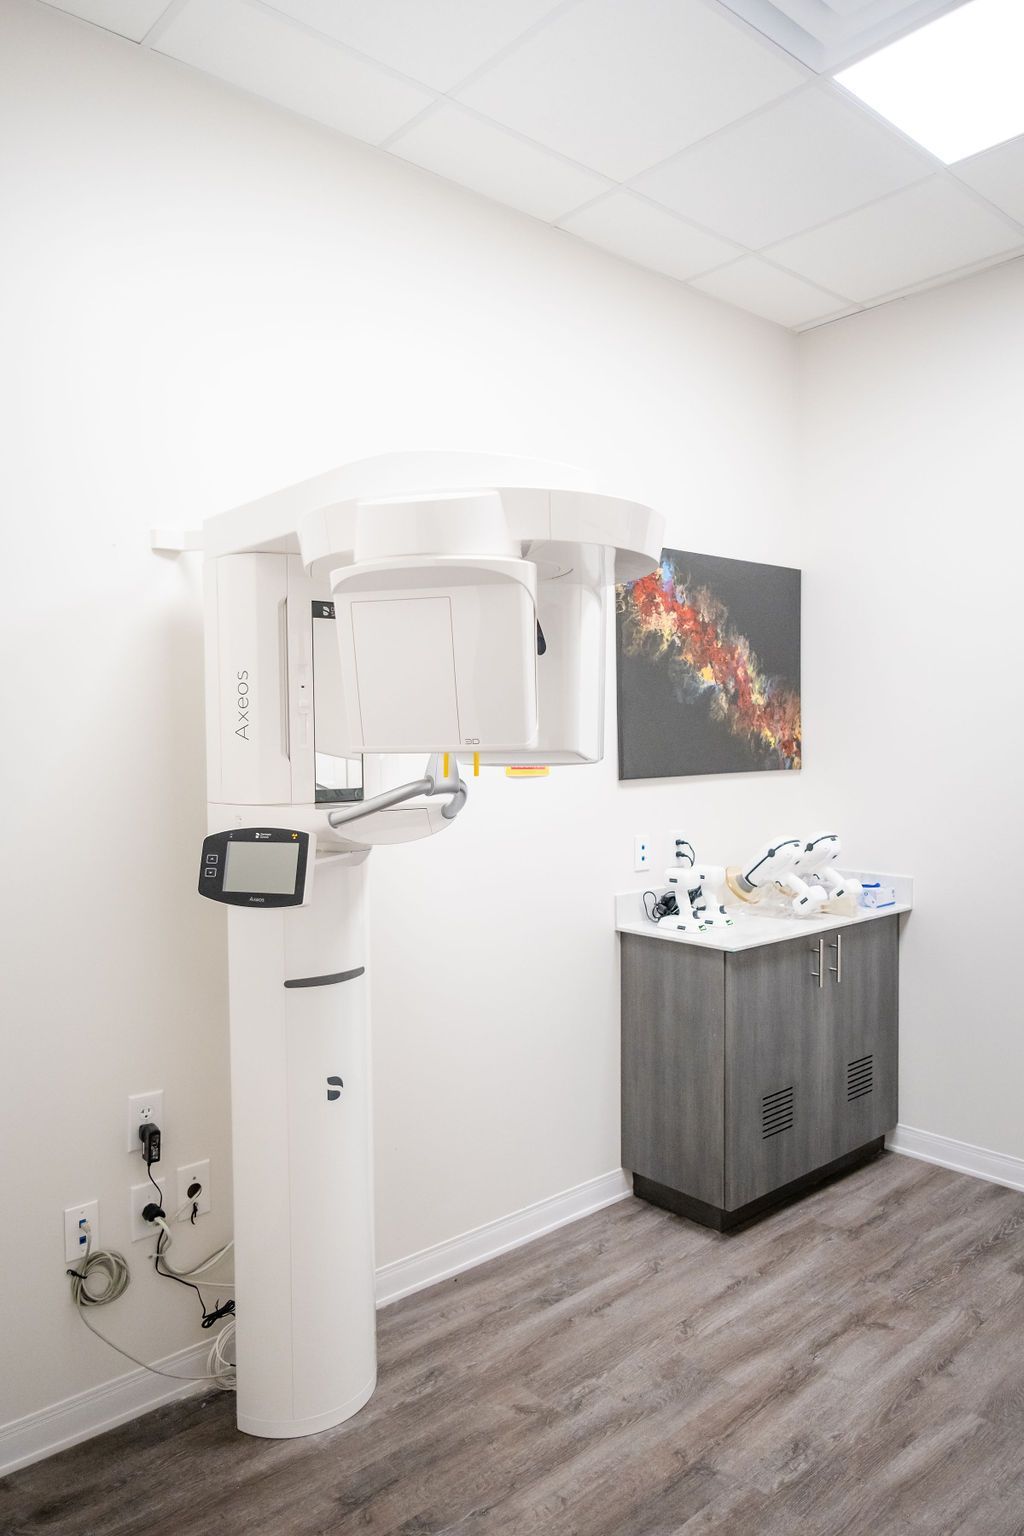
<point>675,837</point>
<point>144,1108</point>
<point>141,1195</point>
<point>188,1174</point>
<point>74,1239</point>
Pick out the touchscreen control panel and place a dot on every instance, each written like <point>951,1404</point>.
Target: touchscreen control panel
<point>258,867</point>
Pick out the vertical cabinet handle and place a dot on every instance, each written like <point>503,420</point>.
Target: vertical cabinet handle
<point>837,969</point>
<point>819,974</point>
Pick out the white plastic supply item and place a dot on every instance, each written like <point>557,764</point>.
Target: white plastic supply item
<point>800,869</point>
<point>874,895</point>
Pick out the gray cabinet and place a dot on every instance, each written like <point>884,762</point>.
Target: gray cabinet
<point>749,1076</point>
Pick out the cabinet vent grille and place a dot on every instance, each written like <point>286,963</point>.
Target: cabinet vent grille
<point>860,1077</point>
<point>776,1113</point>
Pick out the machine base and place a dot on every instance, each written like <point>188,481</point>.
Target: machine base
<point>727,1221</point>
<point>292,1429</point>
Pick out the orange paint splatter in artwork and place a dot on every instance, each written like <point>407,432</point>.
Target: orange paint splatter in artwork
<point>690,629</point>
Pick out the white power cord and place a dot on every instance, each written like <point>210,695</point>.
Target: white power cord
<point>217,1363</point>
<point>113,1268</point>
<point>197,1269</point>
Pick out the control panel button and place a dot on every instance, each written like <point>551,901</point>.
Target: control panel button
<point>211,874</point>
<point>213,858</point>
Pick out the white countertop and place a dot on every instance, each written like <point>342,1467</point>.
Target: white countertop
<point>751,926</point>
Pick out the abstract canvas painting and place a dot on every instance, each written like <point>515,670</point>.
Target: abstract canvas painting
<point>708,653</point>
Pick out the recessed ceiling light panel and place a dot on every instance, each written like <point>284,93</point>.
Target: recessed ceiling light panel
<point>954,85</point>
<point>826,34</point>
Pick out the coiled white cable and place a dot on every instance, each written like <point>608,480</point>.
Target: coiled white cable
<point>106,1262</point>
<point>114,1267</point>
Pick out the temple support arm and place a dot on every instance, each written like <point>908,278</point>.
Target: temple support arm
<point>433,783</point>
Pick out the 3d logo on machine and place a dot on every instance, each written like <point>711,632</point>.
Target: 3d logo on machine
<point>334,1087</point>
<point>243,704</point>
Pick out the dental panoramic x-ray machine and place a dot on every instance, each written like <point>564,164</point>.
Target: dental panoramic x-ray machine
<point>447,604</point>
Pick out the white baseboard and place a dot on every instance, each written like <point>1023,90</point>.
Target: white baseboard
<point>460,1253</point>
<point>996,1167</point>
<point>89,1413</point>
<point>128,1397</point>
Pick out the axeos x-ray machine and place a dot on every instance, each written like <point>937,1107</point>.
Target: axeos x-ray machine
<point>446,604</point>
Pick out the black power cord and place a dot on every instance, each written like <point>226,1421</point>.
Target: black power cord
<point>662,906</point>
<point>149,1135</point>
<point>210,1315</point>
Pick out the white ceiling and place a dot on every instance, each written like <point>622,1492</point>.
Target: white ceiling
<point>697,138</point>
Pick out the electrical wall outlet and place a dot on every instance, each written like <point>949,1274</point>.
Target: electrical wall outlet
<point>74,1233</point>
<point>676,840</point>
<point>189,1176</point>
<point>643,854</point>
<point>144,1109</point>
<point>141,1196</point>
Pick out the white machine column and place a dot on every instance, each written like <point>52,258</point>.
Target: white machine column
<point>303,1181</point>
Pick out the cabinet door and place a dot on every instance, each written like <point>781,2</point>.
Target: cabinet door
<point>672,1054</point>
<point>777,1082</point>
<point>862,1004</point>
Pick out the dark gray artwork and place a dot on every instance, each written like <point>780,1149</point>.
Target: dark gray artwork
<point>708,653</point>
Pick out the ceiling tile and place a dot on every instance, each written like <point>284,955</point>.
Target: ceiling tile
<point>437,41</point>
<point>129,18</point>
<point>638,230</point>
<point>802,161</point>
<point>920,233</point>
<point>998,174</point>
<point>478,154</point>
<point>752,284</point>
<point>249,47</point>
<point>621,84</point>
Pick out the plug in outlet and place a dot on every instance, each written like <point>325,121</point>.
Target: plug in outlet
<point>74,1234</point>
<point>144,1109</point>
<point>189,1177</point>
<point>643,856</point>
<point>680,849</point>
<point>141,1196</point>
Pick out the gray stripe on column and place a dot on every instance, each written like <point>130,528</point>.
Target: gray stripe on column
<point>326,981</point>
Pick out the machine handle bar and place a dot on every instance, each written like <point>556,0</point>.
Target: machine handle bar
<point>382,802</point>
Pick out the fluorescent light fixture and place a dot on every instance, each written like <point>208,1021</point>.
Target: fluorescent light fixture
<point>955,85</point>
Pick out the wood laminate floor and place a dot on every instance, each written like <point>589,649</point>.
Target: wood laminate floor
<point>853,1364</point>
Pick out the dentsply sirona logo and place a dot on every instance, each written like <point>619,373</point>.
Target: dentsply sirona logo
<point>334,1087</point>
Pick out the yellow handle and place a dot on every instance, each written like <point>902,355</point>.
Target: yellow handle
<point>476,765</point>
<point>446,765</point>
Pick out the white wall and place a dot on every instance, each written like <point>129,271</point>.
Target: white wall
<point>204,299</point>
<point>911,423</point>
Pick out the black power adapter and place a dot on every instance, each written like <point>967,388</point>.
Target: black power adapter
<point>149,1135</point>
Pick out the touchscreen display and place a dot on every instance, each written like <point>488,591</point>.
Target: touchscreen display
<point>268,868</point>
